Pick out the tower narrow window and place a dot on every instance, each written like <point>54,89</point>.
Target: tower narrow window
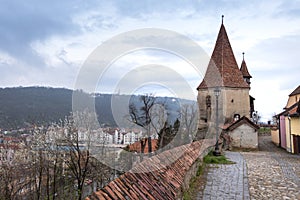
<point>208,101</point>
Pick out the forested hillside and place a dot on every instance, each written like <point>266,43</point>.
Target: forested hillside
<point>24,106</point>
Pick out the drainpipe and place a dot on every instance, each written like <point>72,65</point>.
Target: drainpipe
<point>279,130</point>
<point>290,130</point>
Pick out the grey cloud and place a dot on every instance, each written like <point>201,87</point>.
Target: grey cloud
<point>23,22</point>
<point>100,21</point>
<point>281,55</point>
<point>61,56</point>
<point>290,9</point>
<point>140,9</point>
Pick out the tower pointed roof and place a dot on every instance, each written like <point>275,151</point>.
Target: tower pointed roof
<point>244,69</point>
<point>222,69</point>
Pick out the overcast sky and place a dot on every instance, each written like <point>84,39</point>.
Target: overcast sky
<point>45,43</point>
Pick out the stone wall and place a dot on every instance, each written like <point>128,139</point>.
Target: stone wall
<point>236,101</point>
<point>164,176</point>
<point>231,101</point>
<point>244,137</point>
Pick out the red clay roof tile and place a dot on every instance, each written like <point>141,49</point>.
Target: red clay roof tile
<point>157,183</point>
<point>136,147</point>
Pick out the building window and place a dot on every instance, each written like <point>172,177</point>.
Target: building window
<point>236,117</point>
<point>208,101</point>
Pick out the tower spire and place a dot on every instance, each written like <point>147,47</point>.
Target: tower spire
<point>223,62</point>
<point>243,56</point>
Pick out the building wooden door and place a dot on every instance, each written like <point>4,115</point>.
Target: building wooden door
<point>296,143</point>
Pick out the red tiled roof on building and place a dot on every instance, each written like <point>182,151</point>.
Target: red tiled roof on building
<point>136,147</point>
<point>293,110</point>
<point>223,62</point>
<point>296,91</point>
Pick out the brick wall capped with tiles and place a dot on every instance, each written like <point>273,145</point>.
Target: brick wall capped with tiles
<point>163,176</point>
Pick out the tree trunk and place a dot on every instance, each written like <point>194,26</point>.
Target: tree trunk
<point>149,145</point>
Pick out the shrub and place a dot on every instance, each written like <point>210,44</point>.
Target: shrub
<point>211,159</point>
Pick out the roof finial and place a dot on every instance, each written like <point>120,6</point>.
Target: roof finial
<point>222,18</point>
<point>243,55</point>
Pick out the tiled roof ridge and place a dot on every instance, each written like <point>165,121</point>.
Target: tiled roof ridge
<point>224,63</point>
<point>161,182</point>
<point>292,110</point>
<point>237,123</point>
<point>286,110</point>
<point>296,91</point>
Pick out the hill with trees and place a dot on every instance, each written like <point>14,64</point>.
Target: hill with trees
<point>26,106</point>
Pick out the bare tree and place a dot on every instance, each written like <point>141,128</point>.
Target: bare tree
<point>274,119</point>
<point>78,153</point>
<point>38,159</point>
<point>159,120</point>
<point>58,158</point>
<point>141,116</point>
<point>151,114</point>
<point>83,146</point>
<point>100,173</point>
<point>61,158</point>
<point>9,180</point>
<point>168,133</point>
<point>189,118</point>
<point>12,181</point>
<point>18,177</point>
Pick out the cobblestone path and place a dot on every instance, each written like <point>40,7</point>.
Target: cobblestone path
<point>270,173</point>
<point>227,181</point>
<point>273,173</point>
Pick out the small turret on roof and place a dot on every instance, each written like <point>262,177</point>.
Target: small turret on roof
<point>244,70</point>
<point>223,62</point>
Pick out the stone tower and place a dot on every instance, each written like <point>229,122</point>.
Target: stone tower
<point>234,85</point>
